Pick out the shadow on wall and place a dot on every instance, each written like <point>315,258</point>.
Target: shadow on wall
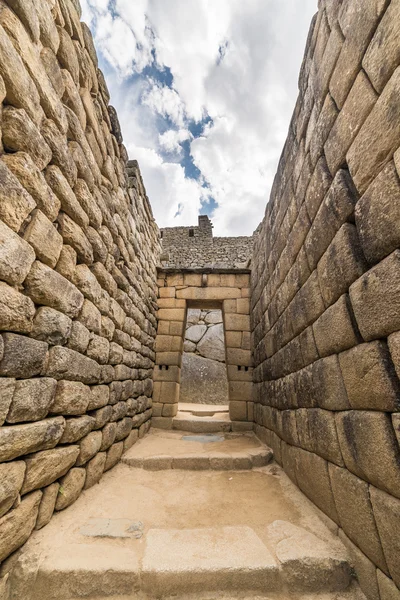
<point>204,379</point>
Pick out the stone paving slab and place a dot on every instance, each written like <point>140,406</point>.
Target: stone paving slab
<point>174,450</point>
<point>227,558</point>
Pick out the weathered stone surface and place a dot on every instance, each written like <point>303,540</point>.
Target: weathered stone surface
<point>98,349</point>
<point>382,56</point>
<point>113,455</point>
<point>20,134</point>
<point>17,525</point>
<point>378,137</point>
<point>377,463</point>
<point>95,469</point>
<point>375,298</point>
<point>99,396</point>
<point>27,13</point>
<point>15,202</point>
<point>71,398</point>
<point>45,467</point>
<point>67,364</point>
<point>108,432</point>
<point>341,264</point>
<point>47,505</point>
<point>31,178</point>
<point>102,416</point>
<point>51,326</point>
<point>79,337</point>
<point>7,386</point>
<point>388,590</point>
<point>64,193</point>
<point>59,147</point>
<point>76,429</point>
<point>89,446</point>
<point>365,568</point>
<point>394,347</point>
<point>369,377</point>
<point>23,356</point>
<point>212,344</point>
<point>46,286</point>
<point>124,428</point>
<point>16,256</point>
<point>334,330</point>
<point>17,310</point>
<point>44,238</point>
<point>378,215</point>
<point>31,400</point>
<point>203,381</point>
<point>70,488</point>
<point>195,333</point>
<point>21,91</point>
<point>11,479</point>
<point>358,105</point>
<point>17,440</point>
<point>387,516</point>
<point>352,500</point>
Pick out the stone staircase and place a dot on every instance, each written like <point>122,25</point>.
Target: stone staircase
<point>187,516</point>
<point>203,418</point>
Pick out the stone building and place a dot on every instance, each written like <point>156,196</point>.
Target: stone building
<point>194,247</point>
<point>93,312</point>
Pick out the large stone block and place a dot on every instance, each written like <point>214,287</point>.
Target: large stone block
<point>74,235</point>
<point>71,486</point>
<point>387,517</point>
<point>388,590</point>
<point>17,525</point>
<point>20,134</point>
<point>352,500</point>
<point>33,181</point>
<point>378,215</point>
<point>31,400</point>
<point>341,264</point>
<point>313,479</point>
<point>46,286</point>
<point>363,567</point>
<point>358,105</point>
<point>23,357</point>
<point>7,386</point>
<point>369,377</point>
<point>378,138</point>
<point>45,467</point>
<point>15,202</point>
<point>89,446</point>
<point>44,238</point>
<point>375,298</point>
<point>47,505</point>
<point>17,310</point>
<point>51,326</point>
<point>369,448</point>
<point>382,56</point>
<point>11,479</point>
<point>16,256</point>
<point>18,440</point>
<point>334,330</point>
<point>323,434</point>
<point>76,429</point>
<point>67,364</point>
<point>71,398</point>
<point>95,469</point>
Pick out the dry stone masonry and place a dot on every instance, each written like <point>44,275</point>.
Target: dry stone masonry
<point>325,299</point>
<point>195,247</point>
<point>203,378</point>
<point>78,255</point>
<point>94,310</point>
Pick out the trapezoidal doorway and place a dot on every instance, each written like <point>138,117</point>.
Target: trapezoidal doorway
<point>179,293</point>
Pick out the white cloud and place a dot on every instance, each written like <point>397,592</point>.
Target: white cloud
<point>171,139</point>
<point>235,61</point>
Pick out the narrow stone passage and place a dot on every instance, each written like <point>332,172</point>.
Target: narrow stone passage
<point>188,515</point>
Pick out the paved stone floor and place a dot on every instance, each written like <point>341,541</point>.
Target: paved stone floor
<point>173,533</point>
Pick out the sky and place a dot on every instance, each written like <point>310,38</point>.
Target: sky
<point>204,91</point>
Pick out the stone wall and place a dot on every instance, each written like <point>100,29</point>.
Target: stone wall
<point>326,287</point>
<point>195,247</point>
<point>204,379</point>
<point>178,292</point>
<point>78,254</point>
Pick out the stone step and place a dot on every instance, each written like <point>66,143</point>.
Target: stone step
<point>177,450</point>
<point>183,562</point>
<point>187,421</point>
